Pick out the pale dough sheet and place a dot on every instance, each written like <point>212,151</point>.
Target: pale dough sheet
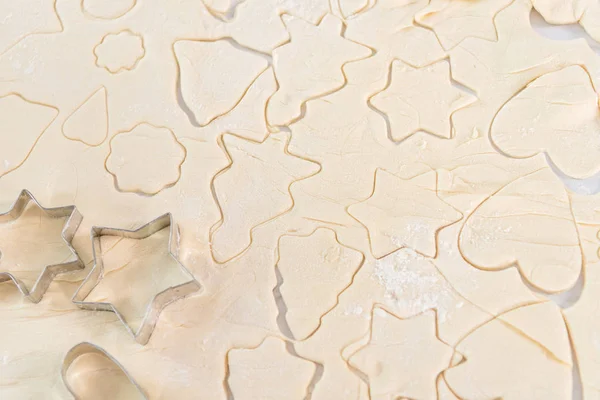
<point>372,199</point>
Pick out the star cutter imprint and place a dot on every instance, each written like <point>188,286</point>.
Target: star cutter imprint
<point>160,300</point>
<point>73,221</point>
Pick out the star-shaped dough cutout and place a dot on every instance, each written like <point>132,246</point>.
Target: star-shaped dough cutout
<point>403,357</point>
<point>72,219</point>
<point>404,213</point>
<point>420,99</point>
<point>167,290</point>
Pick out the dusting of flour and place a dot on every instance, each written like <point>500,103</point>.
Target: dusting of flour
<point>413,284</point>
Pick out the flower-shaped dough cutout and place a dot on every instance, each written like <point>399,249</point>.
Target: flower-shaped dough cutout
<point>420,99</point>
<point>146,159</point>
<point>403,357</point>
<point>268,372</point>
<point>527,223</point>
<point>119,51</point>
<point>404,213</point>
<point>558,114</point>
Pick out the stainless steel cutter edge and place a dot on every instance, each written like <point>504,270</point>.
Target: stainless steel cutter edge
<point>87,348</point>
<point>68,232</point>
<point>160,300</point>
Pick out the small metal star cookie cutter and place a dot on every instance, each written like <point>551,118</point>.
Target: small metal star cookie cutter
<point>68,232</point>
<point>160,300</point>
<point>89,348</point>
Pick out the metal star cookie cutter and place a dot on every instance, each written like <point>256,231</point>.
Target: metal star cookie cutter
<point>68,232</point>
<point>160,300</point>
<point>89,348</point>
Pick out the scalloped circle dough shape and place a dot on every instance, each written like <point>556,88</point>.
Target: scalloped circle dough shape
<point>527,223</point>
<point>107,9</point>
<point>146,159</point>
<point>215,76</point>
<point>310,65</point>
<point>403,356</point>
<point>268,372</point>
<point>22,18</point>
<point>321,263</point>
<point>118,52</point>
<point>22,123</point>
<point>558,113</point>
<point>89,122</point>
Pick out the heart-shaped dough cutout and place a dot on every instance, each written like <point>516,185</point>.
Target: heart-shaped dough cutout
<point>527,223</point>
<point>558,114</point>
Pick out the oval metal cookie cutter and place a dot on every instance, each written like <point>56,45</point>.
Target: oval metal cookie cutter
<point>68,232</point>
<point>89,348</point>
<point>160,300</point>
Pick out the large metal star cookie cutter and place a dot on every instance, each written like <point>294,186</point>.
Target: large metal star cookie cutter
<point>160,300</point>
<point>74,219</point>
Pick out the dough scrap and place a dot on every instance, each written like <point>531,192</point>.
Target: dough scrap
<point>404,213</point>
<point>318,262</point>
<point>310,65</point>
<point>527,223</point>
<point>420,100</point>
<point>268,372</point>
<point>403,357</point>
